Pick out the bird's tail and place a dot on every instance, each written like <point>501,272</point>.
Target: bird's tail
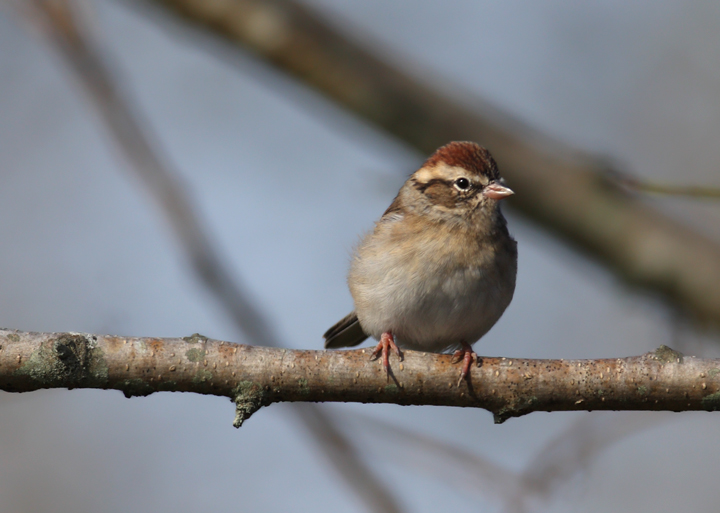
<point>345,333</point>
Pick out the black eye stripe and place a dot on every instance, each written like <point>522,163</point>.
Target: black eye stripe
<point>422,187</point>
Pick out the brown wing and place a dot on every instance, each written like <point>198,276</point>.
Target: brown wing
<point>394,208</point>
<point>346,333</point>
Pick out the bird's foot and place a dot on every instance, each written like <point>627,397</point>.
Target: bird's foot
<point>467,355</point>
<point>387,342</point>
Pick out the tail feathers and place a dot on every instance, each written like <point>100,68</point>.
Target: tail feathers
<point>346,333</point>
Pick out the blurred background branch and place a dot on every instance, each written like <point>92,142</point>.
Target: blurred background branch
<point>566,192</point>
<point>58,19</point>
<point>690,191</point>
<point>564,461</point>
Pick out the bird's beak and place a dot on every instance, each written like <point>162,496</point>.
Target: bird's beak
<point>495,191</point>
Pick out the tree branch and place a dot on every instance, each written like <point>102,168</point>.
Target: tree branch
<point>566,192</point>
<point>255,376</point>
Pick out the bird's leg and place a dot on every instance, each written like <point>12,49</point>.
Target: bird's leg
<point>386,343</point>
<point>467,355</point>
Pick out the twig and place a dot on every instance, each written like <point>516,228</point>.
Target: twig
<point>258,376</point>
<point>692,191</point>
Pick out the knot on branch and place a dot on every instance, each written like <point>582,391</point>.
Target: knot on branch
<point>517,408</point>
<point>248,397</point>
<point>71,360</point>
<point>78,360</point>
<point>73,353</point>
<point>666,354</point>
<point>196,338</point>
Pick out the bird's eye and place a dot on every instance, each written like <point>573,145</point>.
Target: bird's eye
<point>462,184</point>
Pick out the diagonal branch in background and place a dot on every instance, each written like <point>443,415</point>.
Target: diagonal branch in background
<point>566,192</point>
<point>568,455</point>
<point>560,466</point>
<point>132,134</point>
<point>255,376</point>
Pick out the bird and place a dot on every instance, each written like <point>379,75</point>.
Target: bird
<point>438,270</point>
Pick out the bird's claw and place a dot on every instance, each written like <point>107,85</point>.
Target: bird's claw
<point>387,343</point>
<point>467,355</point>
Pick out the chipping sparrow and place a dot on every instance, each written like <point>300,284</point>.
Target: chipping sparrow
<point>438,270</point>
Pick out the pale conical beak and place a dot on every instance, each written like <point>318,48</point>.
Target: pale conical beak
<point>495,191</point>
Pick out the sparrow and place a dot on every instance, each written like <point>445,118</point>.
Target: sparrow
<point>439,268</point>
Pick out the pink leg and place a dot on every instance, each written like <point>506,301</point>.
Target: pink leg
<point>467,355</point>
<point>386,343</point>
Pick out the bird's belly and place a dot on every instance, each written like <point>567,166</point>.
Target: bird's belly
<point>432,309</point>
